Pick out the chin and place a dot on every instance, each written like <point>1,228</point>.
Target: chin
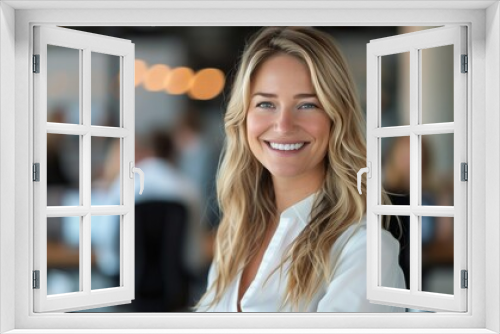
<point>283,172</point>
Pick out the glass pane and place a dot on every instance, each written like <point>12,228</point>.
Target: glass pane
<point>105,231</point>
<point>63,168</point>
<point>106,185</point>
<point>395,93</point>
<point>437,169</point>
<point>437,84</point>
<point>437,254</point>
<point>396,169</point>
<point>105,90</point>
<point>63,85</point>
<point>399,228</point>
<point>63,258</point>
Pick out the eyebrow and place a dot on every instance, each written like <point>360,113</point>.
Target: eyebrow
<point>296,96</point>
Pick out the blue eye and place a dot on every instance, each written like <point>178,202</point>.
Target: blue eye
<point>265,105</point>
<point>308,106</point>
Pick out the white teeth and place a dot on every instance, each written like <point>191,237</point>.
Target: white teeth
<point>286,147</point>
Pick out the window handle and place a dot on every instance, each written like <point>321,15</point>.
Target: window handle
<point>138,171</point>
<point>368,171</point>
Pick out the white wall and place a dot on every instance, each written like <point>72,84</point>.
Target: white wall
<point>22,139</point>
<point>492,156</point>
<point>7,189</point>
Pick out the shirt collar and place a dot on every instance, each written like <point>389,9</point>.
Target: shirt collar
<point>300,210</point>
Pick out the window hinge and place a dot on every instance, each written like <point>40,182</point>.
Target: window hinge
<point>465,64</point>
<point>36,279</point>
<point>465,279</point>
<point>36,172</point>
<point>36,63</point>
<point>464,171</point>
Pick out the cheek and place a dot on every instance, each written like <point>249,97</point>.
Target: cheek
<point>255,127</point>
<point>322,133</point>
<point>252,132</point>
<point>320,129</point>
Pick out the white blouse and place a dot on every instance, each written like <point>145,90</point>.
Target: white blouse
<point>345,293</point>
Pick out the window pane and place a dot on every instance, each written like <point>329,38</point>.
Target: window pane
<point>63,168</point>
<point>105,90</point>
<point>437,254</point>
<point>437,84</point>
<point>395,92</point>
<point>437,169</point>
<point>106,157</point>
<point>63,85</point>
<point>396,169</point>
<point>399,227</point>
<point>105,231</point>
<point>63,258</point>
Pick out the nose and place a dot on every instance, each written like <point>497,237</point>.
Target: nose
<point>285,121</point>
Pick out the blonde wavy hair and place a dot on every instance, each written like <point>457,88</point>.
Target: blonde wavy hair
<point>244,187</point>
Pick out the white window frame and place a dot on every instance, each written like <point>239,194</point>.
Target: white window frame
<point>483,21</point>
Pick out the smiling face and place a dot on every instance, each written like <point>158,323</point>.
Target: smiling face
<point>287,128</point>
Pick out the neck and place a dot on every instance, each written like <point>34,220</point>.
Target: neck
<point>289,191</point>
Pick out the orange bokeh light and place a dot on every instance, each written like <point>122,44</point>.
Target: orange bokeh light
<point>207,84</point>
<point>179,80</point>
<point>140,71</point>
<point>154,79</point>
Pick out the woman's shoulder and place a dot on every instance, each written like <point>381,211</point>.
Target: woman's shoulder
<point>346,292</point>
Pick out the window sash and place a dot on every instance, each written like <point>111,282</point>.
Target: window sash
<point>412,43</point>
<point>86,44</point>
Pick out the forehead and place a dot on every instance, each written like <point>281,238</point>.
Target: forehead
<point>282,72</point>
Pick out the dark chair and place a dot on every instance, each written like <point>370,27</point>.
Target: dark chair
<point>161,281</point>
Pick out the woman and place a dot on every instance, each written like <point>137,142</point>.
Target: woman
<point>292,235</point>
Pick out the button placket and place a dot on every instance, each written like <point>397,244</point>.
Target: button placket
<point>271,251</point>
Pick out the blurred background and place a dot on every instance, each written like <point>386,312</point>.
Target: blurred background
<point>183,76</point>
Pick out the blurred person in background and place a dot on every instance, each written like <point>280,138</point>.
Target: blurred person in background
<point>193,149</point>
<point>435,231</point>
<point>164,181</point>
<point>157,157</point>
<point>164,184</point>
<point>197,157</point>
